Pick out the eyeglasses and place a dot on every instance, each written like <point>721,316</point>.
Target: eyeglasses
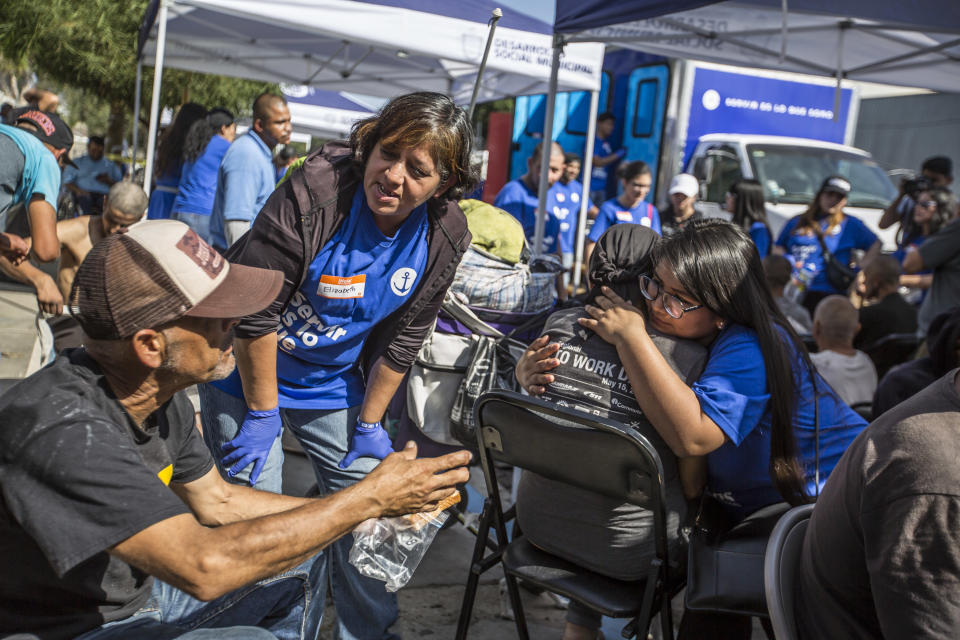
<point>928,204</point>
<point>651,288</point>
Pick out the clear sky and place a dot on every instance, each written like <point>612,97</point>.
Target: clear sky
<point>542,9</point>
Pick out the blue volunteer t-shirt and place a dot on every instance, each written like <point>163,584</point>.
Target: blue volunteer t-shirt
<point>612,212</point>
<point>598,177</point>
<point>517,199</point>
<point>566,213</point>
<point>733,392</point>
<point>761,238</point>
<point>245,180</point>
<point>359,278</point>
<point>805,249</point>
<point>198,179</point>
<point>84,175</point>
<point>41,174</point>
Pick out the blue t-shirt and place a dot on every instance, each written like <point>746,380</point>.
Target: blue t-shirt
<point>598,177</point>
<point>41,173</point>
<point>245,180</point>
<point>517,199</point>
<point>566,209</point>
<point>805,249</point>
<point>612,212</point>
<point>733,392</point>
<point>761,238</point>
<point>84,175</point>
<point>198,179</point>
<point>356,280</point>
<point>164,193</point>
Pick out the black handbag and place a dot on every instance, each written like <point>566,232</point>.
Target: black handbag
<point>724,561</point>
<point>839,275</point>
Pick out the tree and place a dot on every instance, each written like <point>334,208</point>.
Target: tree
<point>92,45</point>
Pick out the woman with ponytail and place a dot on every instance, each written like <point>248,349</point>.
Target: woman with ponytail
<point>204,147</point>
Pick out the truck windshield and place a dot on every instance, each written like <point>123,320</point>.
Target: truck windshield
<point>792,175</point>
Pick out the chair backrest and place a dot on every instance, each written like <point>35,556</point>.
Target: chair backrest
<point>892,350</point>
<point>570,446</point>
<point>780,564</point>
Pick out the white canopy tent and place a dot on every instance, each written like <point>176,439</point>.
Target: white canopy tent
<point>374,47</point>
<point>913,43</point>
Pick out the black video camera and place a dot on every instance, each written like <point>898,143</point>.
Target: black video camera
<point>915,185</point>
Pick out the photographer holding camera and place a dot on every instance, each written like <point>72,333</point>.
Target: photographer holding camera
<point>935,173</point>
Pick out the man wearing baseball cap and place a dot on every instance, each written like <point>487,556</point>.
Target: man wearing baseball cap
<point>32,152</point>
<point>114,521</point>
<point>682,208</point>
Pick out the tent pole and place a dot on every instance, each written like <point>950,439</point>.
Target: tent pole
<point>155,97</point>
<point>497,14</point>
<point>547,147</point>
<point>136,119</point>
<point>585,196</point>
<point>836,94</point>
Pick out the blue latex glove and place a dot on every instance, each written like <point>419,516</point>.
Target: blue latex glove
<point>252,444</point>
<point>369,440</point>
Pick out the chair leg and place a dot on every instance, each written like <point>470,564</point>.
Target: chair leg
<point>476,568</point>
<point>518,617</point>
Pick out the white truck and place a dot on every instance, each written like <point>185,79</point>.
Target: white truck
<point>791,171</point>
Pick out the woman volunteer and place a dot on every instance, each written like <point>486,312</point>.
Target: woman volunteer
<point>369,235</point>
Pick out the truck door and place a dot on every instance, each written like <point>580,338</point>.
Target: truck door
<point>647,94</point>
<point>570,118</point>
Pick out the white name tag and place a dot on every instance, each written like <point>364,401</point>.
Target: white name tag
<point>341,288</point>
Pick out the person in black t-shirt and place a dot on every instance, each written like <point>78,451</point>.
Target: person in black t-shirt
<point>114,522</point>
<point>889,313</point>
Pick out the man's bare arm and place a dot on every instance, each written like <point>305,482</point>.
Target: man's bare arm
<point>49,298</point>
<point>43,229</point>
<point>209,562</point>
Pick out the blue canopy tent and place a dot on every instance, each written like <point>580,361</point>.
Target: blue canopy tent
<point>373,47</point>
<point>914,43</point>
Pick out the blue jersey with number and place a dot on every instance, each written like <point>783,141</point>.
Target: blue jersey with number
<point>359,278</point>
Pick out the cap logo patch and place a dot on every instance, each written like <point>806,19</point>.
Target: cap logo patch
<point>203,254</point>
<point>40,119</point>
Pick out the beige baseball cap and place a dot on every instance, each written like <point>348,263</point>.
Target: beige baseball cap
<point>159,271</point>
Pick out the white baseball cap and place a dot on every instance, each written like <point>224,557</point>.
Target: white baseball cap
<point>684,183</point>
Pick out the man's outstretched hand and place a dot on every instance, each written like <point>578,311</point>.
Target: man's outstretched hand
<point>13,248</point>
<point>403,484</point>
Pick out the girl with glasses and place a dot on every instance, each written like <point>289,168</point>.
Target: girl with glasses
<point>752,411</point>
<point>932,210</point>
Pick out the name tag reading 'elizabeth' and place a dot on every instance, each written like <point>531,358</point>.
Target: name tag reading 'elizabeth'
<point>341,288</point>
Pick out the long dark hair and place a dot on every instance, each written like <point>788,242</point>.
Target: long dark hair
<point>170,149</point>
<point>749,207</point>
<point>203,130</point>
<point>810,217</point>
<point>946,208</point>
<point>424,117</point>
<point>718,264</point>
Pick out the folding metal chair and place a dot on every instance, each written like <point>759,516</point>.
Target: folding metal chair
<point>780,565</point>
<point>589,452</point>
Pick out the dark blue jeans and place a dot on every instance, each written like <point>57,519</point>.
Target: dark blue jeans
<point>287,606</point>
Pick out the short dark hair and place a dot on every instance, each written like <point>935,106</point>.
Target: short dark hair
<point>96,140</point>
<point>885,269</point>
<point>424,117</point>
<point>631,170</point>
<point>938,164</point>
<point>571,156</point>
<point>777,270</point>
<point>606,115</point>
<point>265,101</point>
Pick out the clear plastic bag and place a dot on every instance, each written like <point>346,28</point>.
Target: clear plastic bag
<point>390,549</point>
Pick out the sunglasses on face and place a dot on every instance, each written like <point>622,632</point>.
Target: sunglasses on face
<point>928,204</point>
<point>651,288</point>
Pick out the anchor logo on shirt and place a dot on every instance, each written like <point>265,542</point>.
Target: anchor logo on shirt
<point>401,282</point>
